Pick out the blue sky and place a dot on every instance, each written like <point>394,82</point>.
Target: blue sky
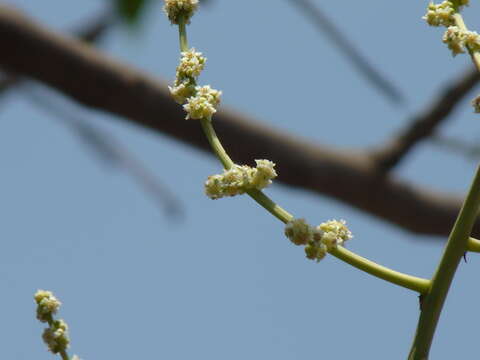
<point>224,282</point>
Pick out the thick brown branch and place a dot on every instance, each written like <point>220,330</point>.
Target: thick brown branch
<point>97,81</point>
<point>425,124</point>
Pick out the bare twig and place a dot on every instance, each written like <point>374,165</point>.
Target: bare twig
<point>462,147</point>
<point>105,146</point>
<point>110,150</point>
<point>424,125</point>
<point>321,20</point>
<point>93,79</point>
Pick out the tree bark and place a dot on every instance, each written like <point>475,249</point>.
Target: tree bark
<point>93,79</point>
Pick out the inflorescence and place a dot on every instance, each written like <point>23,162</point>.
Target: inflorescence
<point>176,9</point>
<point>56,335</point>
<point>239,179</point>
<point>457,39</point>
<point>317,240</point>
<point>443,15</point>
<point>200,102</point>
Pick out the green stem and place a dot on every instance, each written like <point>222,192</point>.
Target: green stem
<point>269,205</point>
<point>182,31</point>
<point>407,281</point>
<point>410,282</point>
<point>441,281</point>
<point>64,355</point>
<point>475,55</point>
<point>215,144</point>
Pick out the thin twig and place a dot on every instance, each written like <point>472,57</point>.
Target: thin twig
<point>110,150</point>
<point>321,20</point>
<point>424,124</point>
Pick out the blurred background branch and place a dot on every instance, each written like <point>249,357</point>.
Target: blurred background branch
<point>84,74</point>
<point>105,146</point>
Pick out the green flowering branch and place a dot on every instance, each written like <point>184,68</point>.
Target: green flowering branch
<point>457,245</point>
<point>457,37</point>
<point>473,44</point>
<point>200,103</point>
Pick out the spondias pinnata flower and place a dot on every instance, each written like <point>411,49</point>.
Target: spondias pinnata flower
<point>317,240</point>
<point>239,179</point>
<point>442,14</point>
<point>47,305</point>
<point>335,232</point>
<point>56,336</point>
<point>203,104</point>
<point>190,67</point>
<point>191,64</point>
<point>176,9</point>
<point>298,231</point>
<point>457,40</point>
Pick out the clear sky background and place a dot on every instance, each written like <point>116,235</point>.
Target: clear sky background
<point>224,283</point>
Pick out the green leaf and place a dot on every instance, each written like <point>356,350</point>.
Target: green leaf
<point>131,10</point>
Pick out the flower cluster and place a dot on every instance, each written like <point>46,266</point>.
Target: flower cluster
<point>203,104</point>
<point>239,179</point>
<point>334,233</point>
<point>317,240</point>
<point>56,335</point>
<point>176,9</point>
<point>457,40</point>
<point>440,14</point>
<point>191,64</point>
<point>190,67</point>
<point>47,305</point>
<point>199,101</point>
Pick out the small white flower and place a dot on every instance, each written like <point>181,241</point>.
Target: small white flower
<point>47,304</point>
<point>440,15</point>
<point>472,40</point>
<point>264,174</point>
<point>191,64</point>
<point>203,104</point>
<point>178,8</point>
<point>181,91</point>
<point>299,232</point>
<point>56,336</point>
<point>455,40</point>
<point>239,179</point>
<point>198,107</point>
<point>315,251</point>
<point>334,233</point>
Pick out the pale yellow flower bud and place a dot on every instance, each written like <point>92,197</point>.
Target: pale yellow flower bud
<point>175,9</point>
